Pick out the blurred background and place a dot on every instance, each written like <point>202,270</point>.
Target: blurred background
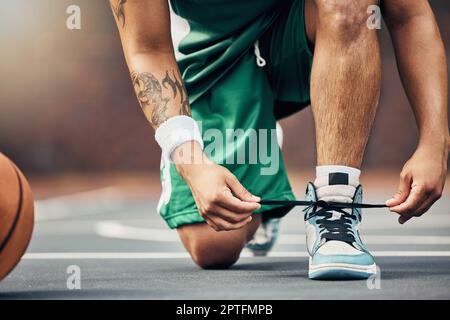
<point>67,105</point>
<point>69,118</point>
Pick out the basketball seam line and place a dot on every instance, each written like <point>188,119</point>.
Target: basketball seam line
<point>19,210</point>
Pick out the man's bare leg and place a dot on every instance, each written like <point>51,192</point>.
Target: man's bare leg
<point>210,249</point>
<point>345,86</point>
<point>345,80</point>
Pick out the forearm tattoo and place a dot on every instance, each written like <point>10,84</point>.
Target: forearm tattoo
<point>119,10</point>
<point>154,98</point>
<point>177,87</point>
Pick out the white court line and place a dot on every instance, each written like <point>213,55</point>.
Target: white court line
<point>185,255</point>
<point>81,203</point>
<point>117,230</point>
<point>104,255</point>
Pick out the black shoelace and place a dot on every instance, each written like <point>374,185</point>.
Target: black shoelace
<point>338,229</point>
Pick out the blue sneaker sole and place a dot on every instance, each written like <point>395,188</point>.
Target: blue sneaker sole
<point>341,272</point>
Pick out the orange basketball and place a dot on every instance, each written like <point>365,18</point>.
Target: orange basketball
<point>16,215</point>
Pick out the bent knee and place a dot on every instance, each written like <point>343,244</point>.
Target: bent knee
<point>215,250</point>
<point>208,256</point>
<point>343,16</point>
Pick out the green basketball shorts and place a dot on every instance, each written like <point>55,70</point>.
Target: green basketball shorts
<point>245,64</point>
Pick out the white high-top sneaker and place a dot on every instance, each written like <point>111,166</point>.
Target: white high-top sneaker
<point>334,244</point>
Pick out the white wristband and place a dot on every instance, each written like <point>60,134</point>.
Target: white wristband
<point>176,131</point>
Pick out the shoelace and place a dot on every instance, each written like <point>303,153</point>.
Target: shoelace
<point>338,229</point>
<point>321,203</point>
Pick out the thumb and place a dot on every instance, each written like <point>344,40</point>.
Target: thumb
<point>402,193</point>
<point>239,190</point>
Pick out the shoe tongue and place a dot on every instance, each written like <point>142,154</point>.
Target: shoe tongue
<point>335,187</point>
<point>335,215</point>
<point>337,178</point>
<point>336,193</point>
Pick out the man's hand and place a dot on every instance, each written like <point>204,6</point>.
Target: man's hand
<point>417,42</point>
<point>421,182</point>
<point>221,199</point>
